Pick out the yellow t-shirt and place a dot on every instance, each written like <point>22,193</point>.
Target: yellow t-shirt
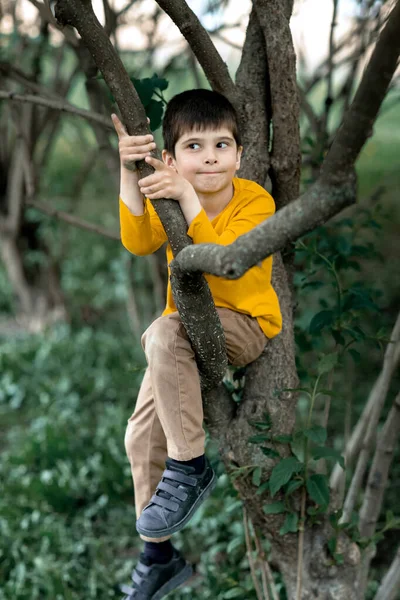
<point>251,294</point>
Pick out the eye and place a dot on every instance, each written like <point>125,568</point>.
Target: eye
<point>194,146</point>
<point>222,145</point>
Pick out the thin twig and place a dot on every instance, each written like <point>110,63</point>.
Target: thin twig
<point>268,585</point>
<point>300,551</point>
<point>392,352</point>
<point>71,220</point>
<point>60,105</point>
<point>250,555</point>
<point>376,397</point>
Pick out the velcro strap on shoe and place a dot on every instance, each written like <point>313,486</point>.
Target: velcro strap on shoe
<point>167,487</point>
<point>142,569</point>
<point>125,589</point>
<point>181,477</point>
<point>170,504</point>
<point>136,578</point>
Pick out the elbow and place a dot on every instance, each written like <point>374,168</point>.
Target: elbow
<point>136,249</point>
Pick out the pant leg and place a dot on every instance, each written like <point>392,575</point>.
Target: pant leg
<point>169,402</point>
<point>176,386</point>
<point>245,340</point>
<point>146,448</point>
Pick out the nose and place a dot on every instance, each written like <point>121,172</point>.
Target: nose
<point>210,157</point>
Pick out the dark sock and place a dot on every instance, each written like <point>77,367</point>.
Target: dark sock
<point>158,552</point>
<point>198,463</point>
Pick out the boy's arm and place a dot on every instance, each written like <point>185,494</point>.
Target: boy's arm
<point>141,229</point>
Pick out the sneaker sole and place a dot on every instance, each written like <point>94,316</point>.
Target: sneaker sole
<point>173,583</point>
<point>169,531</point>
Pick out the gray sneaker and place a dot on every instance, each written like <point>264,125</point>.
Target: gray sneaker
<point>155,581</point>
<point>178,495</point>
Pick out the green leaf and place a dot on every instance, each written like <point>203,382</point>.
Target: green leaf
<point>327,393</point>
<point>257,439</point>
<point>283,439</point>
<point>159,83</point>
<point>276,508</point>
<point>338,337</point>
<point>327,363</point>
<point>270,452</point>
<point>282,472</point>
<point>263,487</point>
<point>355,332</point>
<point>321,320</point>
<point>144,88</point>
<point>332,542</point>
<point>290,524</point>
<point>257,476</point>
<point>234,593</point>
<point>329,453</point>
<point>154,111</point>
<point>356,356</point>
<point>237,542</point>
<point>317,487</point>
<point>260,425</point>
<point>316,434</point>
<point>292,486</point>
<point>313,285</point>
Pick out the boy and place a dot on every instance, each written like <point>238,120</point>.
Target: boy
<point>201,156</point>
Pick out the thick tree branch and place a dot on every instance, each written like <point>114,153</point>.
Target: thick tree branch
<point>254,104</point>
<point>205,332</point>
<point>200,42</point>
<point>379,472</point>
<point>313,208</point>
<point>273,16</point>
<point>335,188</point>
<point>377,481</point>
<point>376,398</point>
<point>389,588</point>
<point>389,365</point>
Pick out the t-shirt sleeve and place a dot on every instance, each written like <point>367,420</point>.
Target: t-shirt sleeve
<point>142,234</point>
<point>248,215</point>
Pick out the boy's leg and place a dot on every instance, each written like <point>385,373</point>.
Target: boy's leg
<point>245,340</point>
<point>146,448</point>
<point>188,478</point>
<point>175,384</point>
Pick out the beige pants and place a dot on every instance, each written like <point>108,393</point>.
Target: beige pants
<point>168,418</point>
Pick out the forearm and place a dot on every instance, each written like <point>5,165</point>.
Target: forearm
<point>190,206</point>
<point>130,193</point>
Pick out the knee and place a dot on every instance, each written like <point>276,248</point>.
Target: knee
<point>159,337</point>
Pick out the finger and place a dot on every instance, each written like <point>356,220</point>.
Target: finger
<point>155,195</point>
<point>158,165</point>
<point>134,157</point>
<point>119,128</point>
<point>138,143</point>
<point>150,180</point>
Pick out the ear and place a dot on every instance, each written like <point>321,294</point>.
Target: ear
<point>168,159</point>
<point>238,157</point>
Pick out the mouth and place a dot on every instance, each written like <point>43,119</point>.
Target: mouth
<point>210,172</point>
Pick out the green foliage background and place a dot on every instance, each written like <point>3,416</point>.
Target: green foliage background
<point>67,523</point>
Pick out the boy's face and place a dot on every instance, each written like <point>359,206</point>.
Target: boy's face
<point>208,159</point>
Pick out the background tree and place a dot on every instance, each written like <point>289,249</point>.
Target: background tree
<point>268,103</point>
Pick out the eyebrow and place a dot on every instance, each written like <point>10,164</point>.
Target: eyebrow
<point>199,139</point>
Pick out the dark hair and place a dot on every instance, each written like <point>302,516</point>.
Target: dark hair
<point>197,109</point>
